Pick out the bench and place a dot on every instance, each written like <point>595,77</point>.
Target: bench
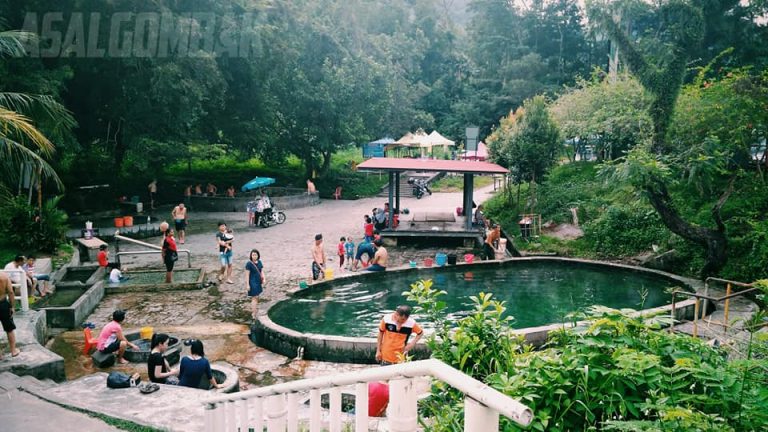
<point>89,248</point>
<point>131,208</point>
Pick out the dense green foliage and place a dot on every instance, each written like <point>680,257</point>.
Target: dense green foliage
<point>527,142</point>
<point>27,228</point>
<point>616,373</point>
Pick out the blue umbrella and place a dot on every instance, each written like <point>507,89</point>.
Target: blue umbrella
<point>258,182</point>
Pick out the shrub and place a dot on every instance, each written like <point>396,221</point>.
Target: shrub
<point>26,230</point>
<point>625,230</point>
<point>617,373</point>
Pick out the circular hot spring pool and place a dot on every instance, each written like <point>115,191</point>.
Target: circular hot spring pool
<point>536,292</point>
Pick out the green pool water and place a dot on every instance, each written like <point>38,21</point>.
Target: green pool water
<point>63,297</point>
<point>535,294</point>
<point>158,277</point>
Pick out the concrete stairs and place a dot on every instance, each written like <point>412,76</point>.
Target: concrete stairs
<point>406,190</point>
<point>733,337</point>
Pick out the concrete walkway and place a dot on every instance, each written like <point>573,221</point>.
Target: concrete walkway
<point>23,412</point>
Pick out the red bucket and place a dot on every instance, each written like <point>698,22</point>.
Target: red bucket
<point>469,258</point>
<point>428,262</point>
<point>128,221</point>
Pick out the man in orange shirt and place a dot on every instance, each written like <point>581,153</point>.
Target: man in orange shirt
<point>394,332</point>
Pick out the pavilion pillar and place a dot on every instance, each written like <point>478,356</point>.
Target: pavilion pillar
<point>468,192</point>
<point>397,190</point>
<point>392,176</point>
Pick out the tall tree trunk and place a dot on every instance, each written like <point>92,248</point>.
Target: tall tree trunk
<point>714,241</point>
<point>326,162</point>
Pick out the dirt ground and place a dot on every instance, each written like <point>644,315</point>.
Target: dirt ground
<point>219,315</point>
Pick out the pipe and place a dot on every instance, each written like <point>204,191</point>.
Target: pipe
<point>186,251</point>
<point>138,242</point>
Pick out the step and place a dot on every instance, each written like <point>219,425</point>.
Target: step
<point>9,381</point>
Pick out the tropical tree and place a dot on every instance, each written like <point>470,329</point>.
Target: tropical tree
<point>610,114</point>
<point>21,142</point>
<point>527,142</point>
<point>681,26</point>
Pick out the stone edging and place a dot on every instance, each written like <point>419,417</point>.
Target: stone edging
<point>282,340</point>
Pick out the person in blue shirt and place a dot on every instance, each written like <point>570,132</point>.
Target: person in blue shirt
<point>254,280</point>
<point>349,251</point>
<point>195,366</point>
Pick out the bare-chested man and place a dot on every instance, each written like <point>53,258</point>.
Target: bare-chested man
<point>380,258</point>
<point>179,215</point>
<point>489,247</point>
<point>7,301</point>
<point>318,258</point>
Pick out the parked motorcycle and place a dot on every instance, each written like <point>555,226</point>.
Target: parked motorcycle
<point>420,187</point>
<point>271,216</point>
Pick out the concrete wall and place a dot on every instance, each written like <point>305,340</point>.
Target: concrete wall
<point>238,203</point>
<point>276,338</point>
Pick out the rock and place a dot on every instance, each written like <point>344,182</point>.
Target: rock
<point>102,360</point>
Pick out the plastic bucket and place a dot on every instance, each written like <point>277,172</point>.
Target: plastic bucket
<point>118,222</point>
<point>146,333</point>
<point>441,259</point>
<point>451,259</point>
<point>328,274</point>
<point>128,221</point>
<point>428,262</point>
<point>412,264</point>
<point>303,285</point>
<point>469,258</point>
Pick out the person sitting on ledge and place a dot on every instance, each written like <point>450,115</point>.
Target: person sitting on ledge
<point>158,369</point>
<point>115,275</point>
<point>111,338</point>
<point>380,258</point>
<point>193,367</point>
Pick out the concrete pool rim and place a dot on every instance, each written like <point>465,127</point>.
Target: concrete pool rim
<point>346,349</point>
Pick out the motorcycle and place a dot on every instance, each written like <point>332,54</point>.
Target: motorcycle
<point>270,216</point>
<point>420,187</point>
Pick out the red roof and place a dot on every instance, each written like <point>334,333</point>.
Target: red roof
<point>405,164</point>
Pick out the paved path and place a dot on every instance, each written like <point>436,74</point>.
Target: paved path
<point>23,412</point>
<point>285,248</point>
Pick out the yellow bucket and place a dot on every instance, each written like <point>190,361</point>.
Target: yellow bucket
<point>328,274</point>
<point>146,333</point>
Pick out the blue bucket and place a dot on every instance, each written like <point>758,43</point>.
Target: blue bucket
<point>441,259</point>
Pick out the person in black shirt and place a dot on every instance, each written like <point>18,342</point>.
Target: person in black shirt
<point>157,367</point>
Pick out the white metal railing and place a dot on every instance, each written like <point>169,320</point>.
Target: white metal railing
<point>156,249</point>
<point>247,410</point>
<point>22,284</point>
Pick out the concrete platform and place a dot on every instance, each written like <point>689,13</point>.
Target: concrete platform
<point>22,411</point>
<point>35,359</point>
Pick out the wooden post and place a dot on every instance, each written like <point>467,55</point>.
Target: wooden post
<point>728,290</point>
<point>696,318</point>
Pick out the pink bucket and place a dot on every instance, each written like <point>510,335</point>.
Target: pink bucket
<point>469,258</point>
<point>428,262</point>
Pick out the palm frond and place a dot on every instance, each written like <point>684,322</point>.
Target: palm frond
<point>27,103</point>
<point>14,125</point>
<point>12,42</point>
<point>13,154</point>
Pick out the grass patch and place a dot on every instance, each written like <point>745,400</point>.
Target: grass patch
<point>456,183</point>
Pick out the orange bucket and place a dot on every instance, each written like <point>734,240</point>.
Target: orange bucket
<point>118,222</point>
<point>128,221</point>
<point>428,262</point>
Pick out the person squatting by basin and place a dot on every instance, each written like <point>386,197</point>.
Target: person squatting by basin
<point>112,339</point>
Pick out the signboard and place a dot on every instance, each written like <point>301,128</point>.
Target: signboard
<point>473,133</point>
